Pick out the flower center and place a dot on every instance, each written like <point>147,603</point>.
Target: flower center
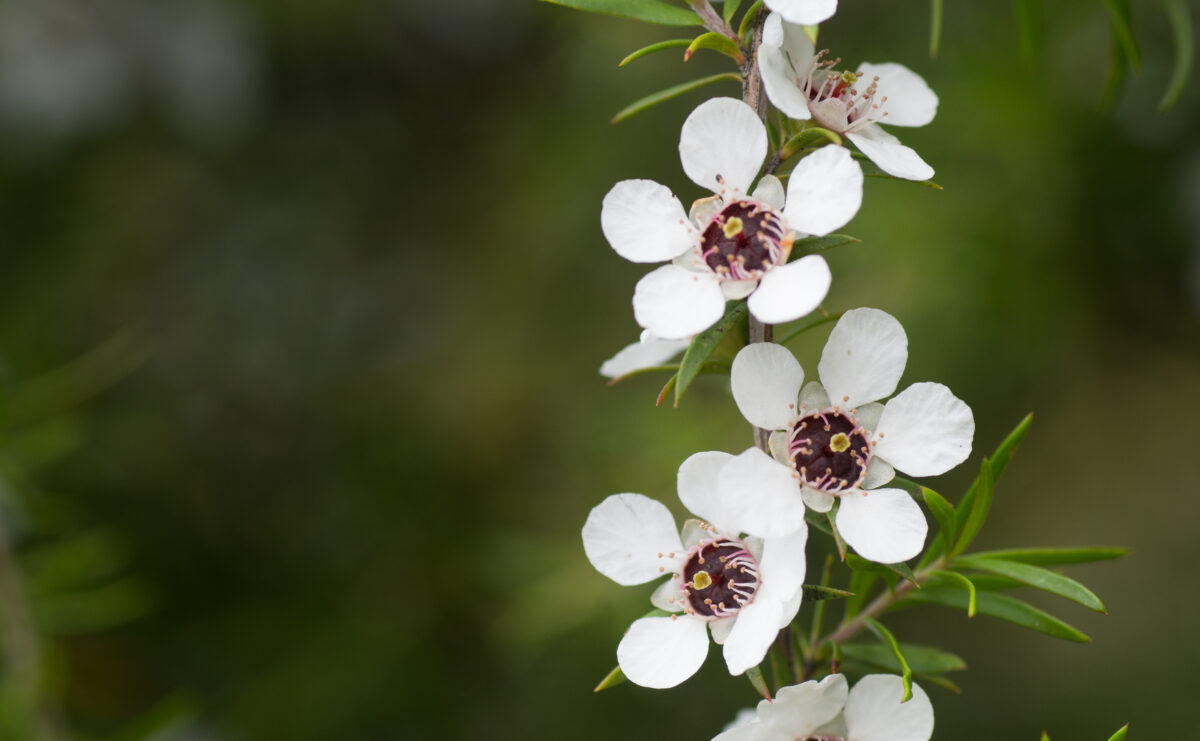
<point>830,451</point>
<point>719,578</point>
<point>840,101</point>
<point>743,240</point>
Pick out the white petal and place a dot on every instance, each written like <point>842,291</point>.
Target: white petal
<point>723,138</point>
<point>642,355</point>
<point>782,566</point>
<point>863,358</point>
<point>625,533</point>
<point>766,380</point>
<point>704,209</point>
<point>925,430</point>
<point>879,472</point>
<point>720,629</point>
<point>814,397</point>
<point>789,609</point>
<point>668,596</point>
<point>778,443</point>
<point>867,415</point>
<point>824,191</point>
<point>910,102</point>
<point>752,635</point>
<point>804,12</point>
<point>781,66</point>
<point>661,652</point>
<point>817,501</point>
<point>761,495</point>
<point>874,711</point>
<point>889,154</point>
<point>801,709</point>
<point>791,291</point>
<point>694,531</point>
<point>674,303</point>
<point>644,222</point>
<point>750,731</point>
<point>697,484</point>
<point>769,191</point>
<point>734,290</point>
<point>882,525</point>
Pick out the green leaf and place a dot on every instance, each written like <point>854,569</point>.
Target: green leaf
<point>755,675</point>
<point>809,136</point>
<point>1114,75</point>
<point>809,325</point>
<point>1120,14</point>
<point>818,520</point>
<point>731,8</point>
<point>994,583</point>
<point>980,506</point>
<point>1045,736</point>
<point>668,44</point>
<point>650,11</point>
<point>1000,458</point>
<point>921,659</point>
<point>1054,556</point>
<point>1037,577</point>
<point>748,19</point>
<point>885,635</point>
<point>1120,734</point>
<point>612,679</point>
<point>717,42</point>
<point>1185,52</point>
<point>860,584</point>
<point>817,245</point>
<point>940,681</point>
<point>963,582</point>
<point>837,537</point>
<point>858,563</point>
<point>816,592</point>
<point>935,28</point>
<point>674,91</point>
<point>703,345</point>
<point>996,605</point>
<point>944,513</point>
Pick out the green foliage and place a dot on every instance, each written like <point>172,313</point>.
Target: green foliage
<point>650,11</point>
<point>816,245</point>
<point>815,592</point>
<point>995,605</point>
<point>945,515</point>
<point>935,27</point>
<point>1054,556</point>
<point>921,659</point>
<point>666,94</point>
<point>717,42</point>
<point>1035,576</point>
<point>730,10</point>
<point>704,344</point>
<point>965,583</point>
<point>612,679</point>
<point>981,504</point>
<point>885,636</point>
<point>755,675</point>
<point>660,46</point>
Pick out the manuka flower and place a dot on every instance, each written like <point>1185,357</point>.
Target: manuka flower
<point>736,243</point>
<point>743,591</point>
<point>834,441</point>
<point>852,102</point>
<point>825,711</point>
<point>645,353</point>
<point>804,12</point>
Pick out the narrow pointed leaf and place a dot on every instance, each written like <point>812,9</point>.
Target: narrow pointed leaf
<point>612,679</point>
<point>885,636</point>
<point>703,346</point>
<point>666,389</point>
<point>650,11</point>
<point>1036,576</point>
<point>963,582</point>
<point>858,563</point>
<point>860,584</point>
<point>944,513</point>
<point>730,10</point>
<point>810,136</point>
<point>674,91</point>
<point>1185,52</point>
<point>921,659</point>
<point>837,537</point>
<point>1120,14</point>
<point>999,460</point>
<point>717,42</point>
<point>996,605</point>
<point>939,680</point>
<point>980,506</point>
<point>816,592</point>
<point>1054,556</point>
<point>755,675</point>
<point>1120,734</point>
<point>748,19</point>
<point>935,28</point>
<point>668,44</point>
<point>817,245</point>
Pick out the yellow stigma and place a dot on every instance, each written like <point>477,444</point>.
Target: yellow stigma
<point>733,227</point>
<point>849,77</point>
<point>839,443</point>
<point>702,580</point>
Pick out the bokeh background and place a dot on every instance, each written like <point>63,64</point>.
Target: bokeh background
<point>301,307</point>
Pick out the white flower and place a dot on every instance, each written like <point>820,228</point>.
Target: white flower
<point>851,102</point>
<point>742,591</point>
<point>824,711</point>
<point>648,351</point>
<point>804,12</point>
<point>736,243</point>
<point>835,441</point>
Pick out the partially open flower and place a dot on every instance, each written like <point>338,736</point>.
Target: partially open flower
<point>742,590</point>
<point>736,243</point>
<point>825,711</point>
<point>833,441</point>
<point>852,101</point>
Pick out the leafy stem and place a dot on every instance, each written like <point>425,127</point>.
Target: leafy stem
<point>712,19</point>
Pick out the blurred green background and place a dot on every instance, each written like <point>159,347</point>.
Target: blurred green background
<point>301,306</point>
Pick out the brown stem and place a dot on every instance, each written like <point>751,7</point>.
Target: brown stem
<point>847,630</point>
<point>712,20</point>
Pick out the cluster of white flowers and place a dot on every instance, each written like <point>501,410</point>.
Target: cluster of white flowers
<point>736,573</point>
